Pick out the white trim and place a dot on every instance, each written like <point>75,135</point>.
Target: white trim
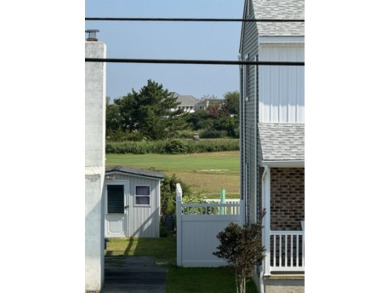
<point>126,207</point>
<point>135,195</point>
<point>281,40</point>
<point>285,164</point>
<point>255,130</point>
<point>267,218</point>
<point>125,193</point>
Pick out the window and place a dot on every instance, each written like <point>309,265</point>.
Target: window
<point>142,195</point>
<point>115,199</point>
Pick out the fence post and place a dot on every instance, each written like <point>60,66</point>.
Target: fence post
<point>178,225</point>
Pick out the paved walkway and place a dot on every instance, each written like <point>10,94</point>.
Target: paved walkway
<point>135,274</point>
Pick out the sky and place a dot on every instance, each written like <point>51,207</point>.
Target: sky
<point>169,40</point>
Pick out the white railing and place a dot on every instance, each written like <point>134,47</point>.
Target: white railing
<point>217,200</point>
<point>287,251</point>
<point>210,208</point>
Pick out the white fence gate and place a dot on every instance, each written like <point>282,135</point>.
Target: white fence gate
<point>197,229</point>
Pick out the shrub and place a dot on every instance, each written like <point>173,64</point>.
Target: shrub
<point>241,247</point>
<point>176,146</point>
<point>163,231</point>
<point>213,134</point>
<point>185,134</point>
<point>168,194</point>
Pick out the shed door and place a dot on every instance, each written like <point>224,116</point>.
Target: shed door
<point>116,210</point>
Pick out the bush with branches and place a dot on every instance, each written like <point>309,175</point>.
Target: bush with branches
<point>241,247</point>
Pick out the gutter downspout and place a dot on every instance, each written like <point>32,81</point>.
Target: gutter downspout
<point>265,238</point>
<point>242,150</point>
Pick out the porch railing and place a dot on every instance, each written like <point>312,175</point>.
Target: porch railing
<point>287,251</point>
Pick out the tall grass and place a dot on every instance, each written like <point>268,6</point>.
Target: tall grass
<point>176,146</point>
<point>206,173</point>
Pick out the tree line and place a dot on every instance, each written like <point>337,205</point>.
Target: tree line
<point>152,113</point>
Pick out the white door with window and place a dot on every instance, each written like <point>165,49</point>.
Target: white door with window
<point>117,209</point>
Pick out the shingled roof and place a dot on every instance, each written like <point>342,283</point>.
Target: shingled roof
<point>282,141</point>
<point>185,100</point>
<point>279,9</point>
<point>137,172</point>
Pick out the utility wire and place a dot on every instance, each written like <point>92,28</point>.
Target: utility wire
<point>189,19</point>
<point>204,62</point>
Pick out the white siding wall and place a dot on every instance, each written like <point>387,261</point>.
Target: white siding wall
<point>282,87</point>
<point>145,221</point>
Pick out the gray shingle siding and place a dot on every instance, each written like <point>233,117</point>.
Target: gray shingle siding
<point>280,9</point>
<point>249,47</point>
<point>282,141</point>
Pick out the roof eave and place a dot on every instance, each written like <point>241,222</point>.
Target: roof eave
<point>281,39</point>
<point>284,164</point>
<point>157,177</point>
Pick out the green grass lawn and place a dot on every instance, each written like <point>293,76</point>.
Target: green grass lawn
<point>203,280</point>
<point>206,173</point>
<point>180,280</point>
<point>162,249</point>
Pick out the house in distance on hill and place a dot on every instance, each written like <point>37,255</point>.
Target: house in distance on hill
<point>190,104</point>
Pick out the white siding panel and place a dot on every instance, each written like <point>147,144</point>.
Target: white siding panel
<point>281,87</point>
<point>274,93</point>
<point>144,220</point>
<point>293,101</point>
<point>301,95</point>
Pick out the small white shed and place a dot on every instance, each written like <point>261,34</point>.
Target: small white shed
<point>132,202</point>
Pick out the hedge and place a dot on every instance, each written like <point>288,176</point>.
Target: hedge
<point>176,146</point>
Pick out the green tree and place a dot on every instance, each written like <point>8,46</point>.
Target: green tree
<point>231,103</point>
<point>241,247</point>
<point>219,119</point>
<point>168,193</point>
<point>199,120</point>
<point>113,122</point>
<point>151,112</point>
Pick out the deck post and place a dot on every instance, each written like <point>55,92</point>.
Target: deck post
<point>267,219</point>
<point>178,225</point>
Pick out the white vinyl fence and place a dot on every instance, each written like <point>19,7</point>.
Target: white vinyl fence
<point>197,228</point>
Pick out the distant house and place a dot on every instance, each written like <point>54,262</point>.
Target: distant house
<point>205,103</point>
<point>132,202</point>
<point>190,104</point>
<point>272,140</point>
<point>187,102</point>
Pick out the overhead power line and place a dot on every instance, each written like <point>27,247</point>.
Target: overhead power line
<point>189,19</point>
<point>204,62</point>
